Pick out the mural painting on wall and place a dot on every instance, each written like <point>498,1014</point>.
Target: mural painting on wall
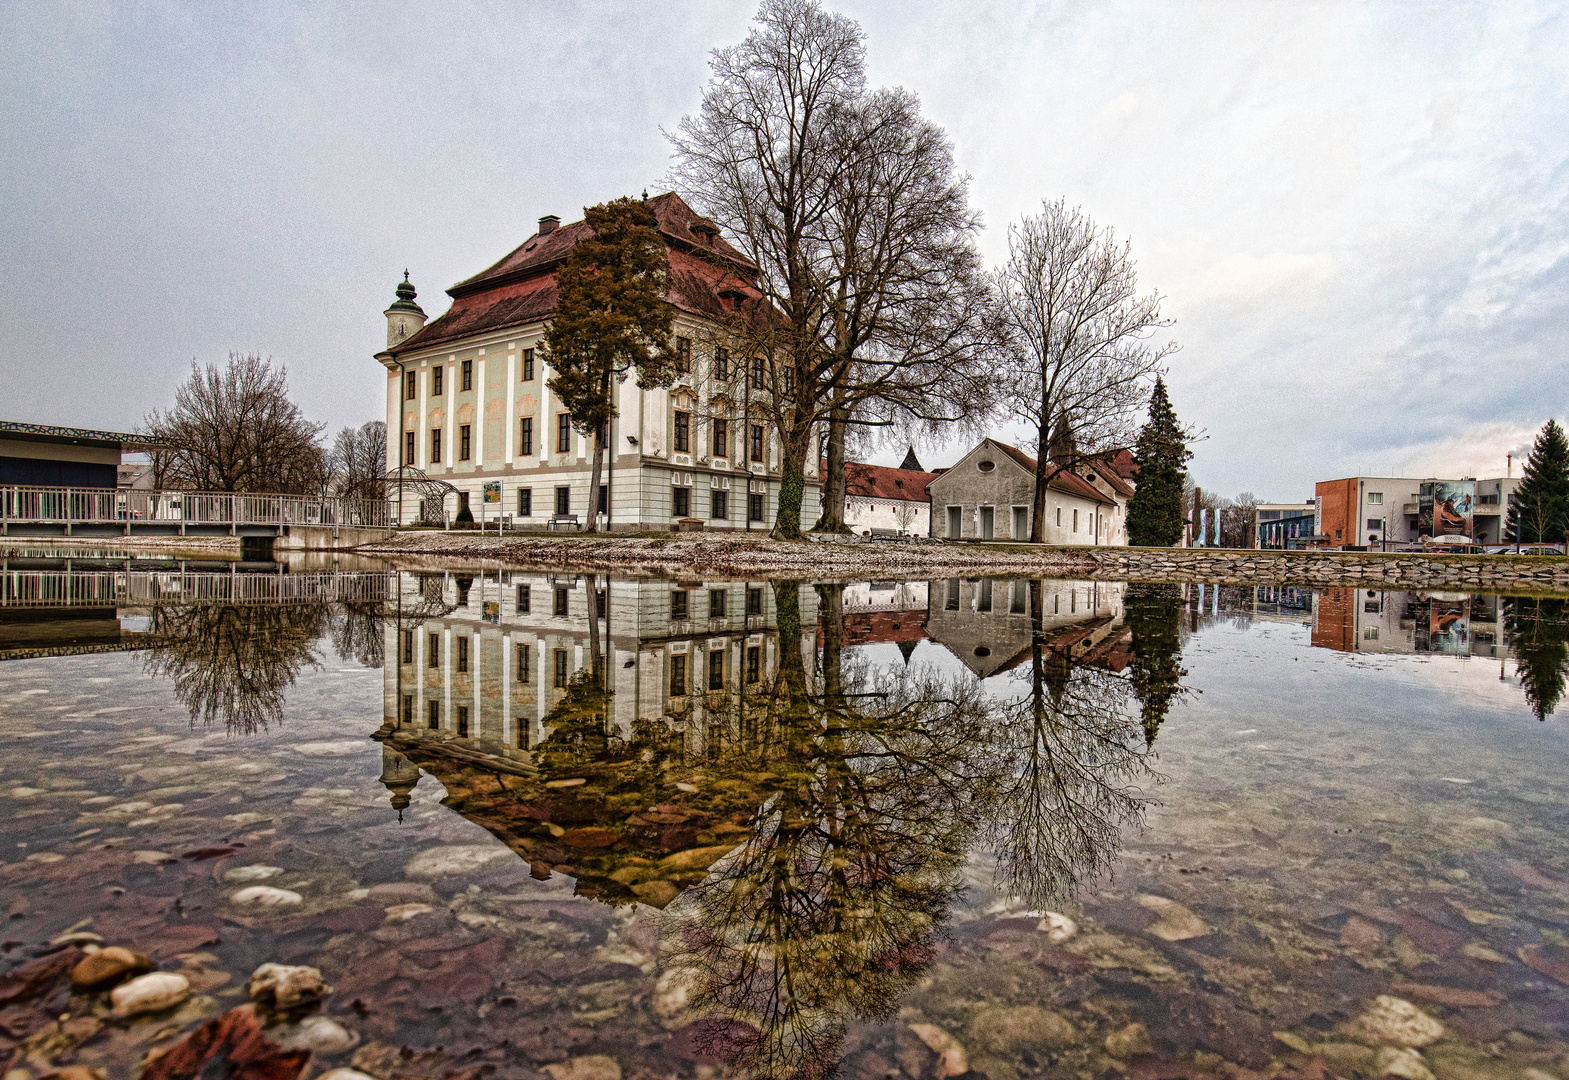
<point>1444,507</point>
<point>1447,628</point>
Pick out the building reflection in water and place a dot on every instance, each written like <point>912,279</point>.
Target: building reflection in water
<point>724,751</point>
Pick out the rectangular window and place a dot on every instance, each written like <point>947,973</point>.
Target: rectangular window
<point>757,373</point>
<point>526,436</point>
<point>1370,633</point>
<point>524,599</point>
<point>1075,521</point>
<point>599,602</point>
<point>754,663</point>
<point>754,506</point>
<point>678,608</point>
<point>561,672</point>
<point>406,716</point>
<point>406,647</point>
<point>435,380</point>
<point>984,601</point>
<point>716,669</point>
<point>1376,498</point>
<point>463,721</point>
<point>683,432</point>
<point>683,356</point>
<point>463,655</point>
<point>1375,523</point>
<point>951,602</point>
<point>560,607</point>
<point>433,715</point>
<point>754,601</point>
<point>716,603</point>
<point>464,445</point>
<point>721,506</point>
<point>721,439</point>
<point>528,365</point>
<point>683,502</point>
<point>757,442</point>
<point>787,375</point>
<point>563,433</point>
<point>523,735</point>
<point>1016,604</point>
<point>408,448</point>
<point>468,375</point>
<point>1372,607</point>
<point>525,502</point>
<point>410,385</point>
<point>604,498</point>
<point>435,446</point>
<point>433,651</point>
<point>1059,517</point>
<point>721,363</point>
<point>678,676</point>
<point>563,501</point>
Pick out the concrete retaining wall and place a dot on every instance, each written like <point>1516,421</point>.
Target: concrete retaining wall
<point>327,537</point>
<point>1399,570</point>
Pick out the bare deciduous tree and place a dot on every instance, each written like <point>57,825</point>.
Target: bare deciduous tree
<point>1078,358</point>
<point>235,429</point>
<point>358,461</point>
<point>851,206</point>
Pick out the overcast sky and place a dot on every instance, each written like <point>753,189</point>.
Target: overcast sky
<point>1358,212</point>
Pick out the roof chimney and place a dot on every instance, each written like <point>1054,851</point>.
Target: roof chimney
<point>548,223</point>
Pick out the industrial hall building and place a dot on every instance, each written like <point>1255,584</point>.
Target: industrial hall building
<point>468,401</point>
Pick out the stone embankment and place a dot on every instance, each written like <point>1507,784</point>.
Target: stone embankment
<point>1399,570</point>
<point>687,553</point>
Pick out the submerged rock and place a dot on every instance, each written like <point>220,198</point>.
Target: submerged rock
<point>1057,927</point>
<point>951,1058</point>
<point>1129,1042</point>
<point>455,860</point>
<point>267,896</point>
<point>1392,1021</point>
<point>345,1074</point>
<point>150,993</point>
<point>1402,1062</point>
<point>320,1034</point>
<point>671,994</point>
<point>1022,1027</point>
<point>241,874</point>
<point>109,965</point>
<point>285,986</point>
<point>1176,923</point>
<point>656,893</point>
<point>589,1067</point>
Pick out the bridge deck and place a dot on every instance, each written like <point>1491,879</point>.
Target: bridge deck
<point>45,511</point>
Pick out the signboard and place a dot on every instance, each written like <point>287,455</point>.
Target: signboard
<point>493,491</point>
<point>1444,507</point>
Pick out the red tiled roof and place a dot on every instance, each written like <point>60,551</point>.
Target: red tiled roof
<point>1113,481</point>
<point>706,278</point>
<point>1063,481</point>
<point>1123,465</point>
<point>881,482</point>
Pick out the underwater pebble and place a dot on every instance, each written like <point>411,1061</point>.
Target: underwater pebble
<point>1392,1021</point>
<point>1402,1062</point>
<point>672,993</point>
<point>1130,1041</point>
<point>405,912</point>
<point>344,1074</point>
<point>1477,951</point>
<point>589,1067</point>
<point>46,857</point>
<point>150,993</point>
<point>1057,927</point>
<point>267,896</point>
<point>319,1034</point>
<point>338,748</point>
<point>453,861</point>
<point>1176,923</point>
<point>286,985</point>
<point>574,782</point>
<point>252,873</point>
<point>109,965</point>
<point>151,857</point>
<point>951,1058</point>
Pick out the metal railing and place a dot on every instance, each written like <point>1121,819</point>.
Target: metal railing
<point>146,588</point>
<point>121,506</point>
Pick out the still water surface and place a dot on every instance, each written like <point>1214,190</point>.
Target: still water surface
<point>925,829</point>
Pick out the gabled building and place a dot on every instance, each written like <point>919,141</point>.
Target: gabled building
<point>880,501</point>
<point>468,404</point>
<point>989,492</point>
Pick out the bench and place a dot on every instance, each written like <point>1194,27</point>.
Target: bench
<point>564,521</point>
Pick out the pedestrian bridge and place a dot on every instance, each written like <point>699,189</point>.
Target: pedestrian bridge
<point>58,511</point>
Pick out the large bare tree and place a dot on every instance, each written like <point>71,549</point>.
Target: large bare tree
<point>235,429</point>
<point>851,206</point>
<point>1079,359</point>
<point>358,461</point>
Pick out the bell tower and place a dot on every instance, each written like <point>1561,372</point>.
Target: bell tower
<point>404,317</point>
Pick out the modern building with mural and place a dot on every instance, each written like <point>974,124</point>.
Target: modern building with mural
<point>1378,510</point>
<point>468,402</point>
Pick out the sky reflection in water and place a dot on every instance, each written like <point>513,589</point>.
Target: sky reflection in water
<point>792,826</point>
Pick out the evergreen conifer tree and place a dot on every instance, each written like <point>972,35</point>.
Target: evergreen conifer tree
<point>1155,511</point>
<point>611,317</point>
<point>1539,633</point>
<point>1154,615</point>
<point>1539,513</point>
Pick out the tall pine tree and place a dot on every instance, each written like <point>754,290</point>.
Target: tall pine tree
<point>611,317</point>
<point>1155,511</point>
<point>1539,634</point>
<point>1539,513</point>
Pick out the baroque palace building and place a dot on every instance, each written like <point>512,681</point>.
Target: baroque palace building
<point>468,404</point>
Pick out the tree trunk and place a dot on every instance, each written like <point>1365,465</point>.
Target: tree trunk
<point>592,524</point>
<point>834,482</point>
<point>795,444</point>
<point>830,617</point>
<point>1043,474</point>
<point>594,666</point>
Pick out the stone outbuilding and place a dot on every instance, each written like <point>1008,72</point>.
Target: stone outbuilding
<point>988,494</point>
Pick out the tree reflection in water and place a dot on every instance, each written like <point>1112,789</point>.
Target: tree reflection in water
<point>1538,630</point>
